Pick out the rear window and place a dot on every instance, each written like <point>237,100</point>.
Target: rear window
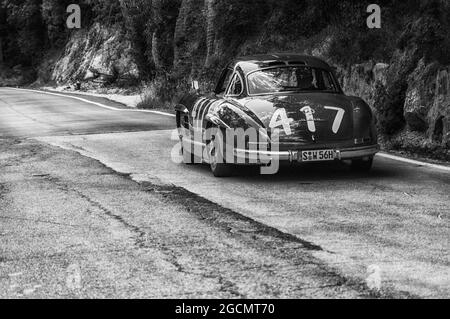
<point>285,79</point>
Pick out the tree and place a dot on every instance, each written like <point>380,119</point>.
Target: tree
<point>1,50</point>
<point>25,30</point>
<point>54,18</point>
<point>136,15</point>
<point>3,31</point>
<point>162,29</point>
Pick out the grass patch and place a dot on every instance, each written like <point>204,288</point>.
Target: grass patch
<point>414,143</point>
<point>162,93</point>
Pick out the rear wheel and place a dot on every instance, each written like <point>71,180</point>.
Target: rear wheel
<point>183,129</point>
<point>216,151</point>
<point>362,165</point>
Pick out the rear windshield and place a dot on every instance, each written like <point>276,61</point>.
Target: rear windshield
<point>284,79</point>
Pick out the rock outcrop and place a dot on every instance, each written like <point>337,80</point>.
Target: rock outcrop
<point>94,52</point>
<point>439,114</point>
<point>426,107</point>
<point>362,80</point>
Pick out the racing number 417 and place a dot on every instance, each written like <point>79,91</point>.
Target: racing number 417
<point>280,119</point>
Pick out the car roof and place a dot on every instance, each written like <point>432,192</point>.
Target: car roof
<point>256,62</point>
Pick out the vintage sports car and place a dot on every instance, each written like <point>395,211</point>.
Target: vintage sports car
<point>276,108</point>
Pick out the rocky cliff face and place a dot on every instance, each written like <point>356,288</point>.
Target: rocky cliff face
<point>362,80</point>
<point>97,52</point>
<point>438,116</point>
<point>426,106</point>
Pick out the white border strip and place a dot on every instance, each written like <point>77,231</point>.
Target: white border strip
<point>94,103</point>
<point>414,162</point>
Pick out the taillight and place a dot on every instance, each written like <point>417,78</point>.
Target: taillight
<point>362,123</point>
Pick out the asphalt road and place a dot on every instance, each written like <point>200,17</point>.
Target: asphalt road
<point>315,231</point>
<point>25,114</point>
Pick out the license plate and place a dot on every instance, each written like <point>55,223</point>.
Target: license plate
<point>317,156</point>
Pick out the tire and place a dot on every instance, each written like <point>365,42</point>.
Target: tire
<point>188,157</point>
<point>361,165</point>
<point>219,168</point>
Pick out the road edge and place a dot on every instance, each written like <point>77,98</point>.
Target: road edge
<point>413,162</point>
<point>94,103</point>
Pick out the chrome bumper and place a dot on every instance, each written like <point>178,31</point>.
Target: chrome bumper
<point>357,152</point>
<point>244,156</point>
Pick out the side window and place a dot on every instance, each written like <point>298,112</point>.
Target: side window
<point>328,82</point>
<point>224,81</point>
<point>236,86</point>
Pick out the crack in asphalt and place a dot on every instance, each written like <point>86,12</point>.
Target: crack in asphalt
<point>132,228</point>
<point>225,219</point>
<point>3,190</point>
<point>171,257</point>
<point>140,234</point>
<point>216,216</point>
<point>228,220</point>
<point>229,287</point>
<point>174,193</point>
<point>258,236</point>
<point>204,207</point>
<point>177,194</point>
<point>141,237</point>
<point>182,196</point>
<point>225,285</point>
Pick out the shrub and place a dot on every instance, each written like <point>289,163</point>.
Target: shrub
<point>162,93</point>
<point>389,106</point>
<point>416,144</point>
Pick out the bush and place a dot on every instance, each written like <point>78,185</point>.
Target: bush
<point>162,93</point>
<point>416,144</point>
<point>149,97</point>
<point>389,106</point>
<point>430,35</point>
<point>353,47</point>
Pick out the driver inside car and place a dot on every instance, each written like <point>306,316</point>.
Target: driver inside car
<point>306,79</point>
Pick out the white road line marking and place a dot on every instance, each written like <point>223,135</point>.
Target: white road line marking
<point>414,162</point>
<point>95,103</point>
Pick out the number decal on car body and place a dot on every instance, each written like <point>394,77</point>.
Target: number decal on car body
<point>280,118</point>
<point>339,117</point>
<point>307,110</point>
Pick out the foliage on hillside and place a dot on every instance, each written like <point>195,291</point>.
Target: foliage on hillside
<point>167,32</point>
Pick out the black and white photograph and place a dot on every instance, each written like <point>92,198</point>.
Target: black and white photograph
<point>224,156</point>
